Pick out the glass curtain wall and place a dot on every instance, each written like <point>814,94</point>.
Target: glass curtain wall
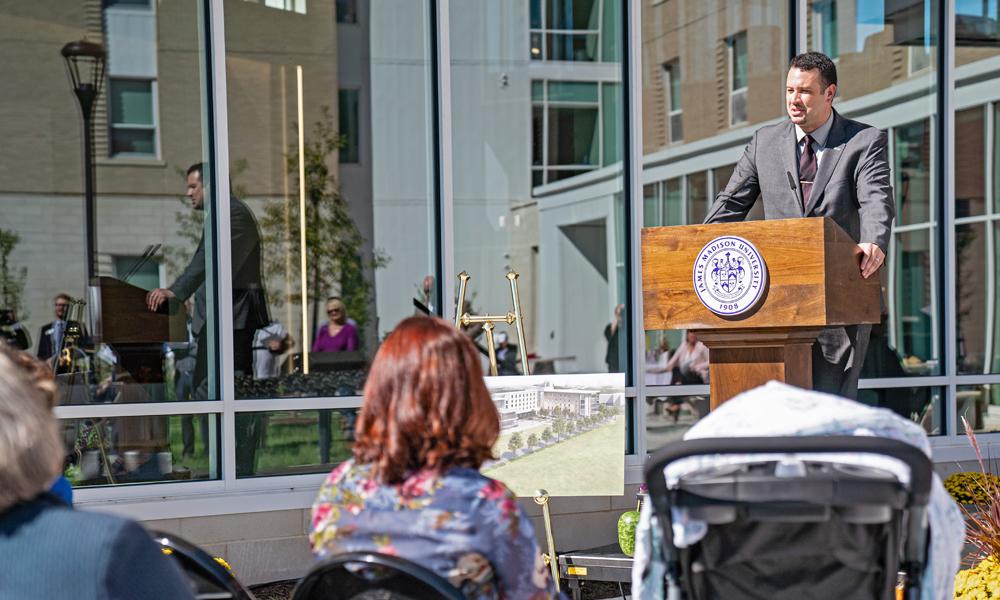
<point>331,166</point>
<point>334,205</point>
<point>977,91</point>
<point>711,74</point>
<point>76,295</point>
<point>527,129</point>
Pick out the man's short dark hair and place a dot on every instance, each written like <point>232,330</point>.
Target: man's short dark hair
<point>808,61</point>
<point>196,168</point>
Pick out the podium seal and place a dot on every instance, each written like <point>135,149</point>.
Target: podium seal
<point>729,276</point>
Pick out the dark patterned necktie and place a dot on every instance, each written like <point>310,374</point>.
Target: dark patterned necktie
<point>807,170</point>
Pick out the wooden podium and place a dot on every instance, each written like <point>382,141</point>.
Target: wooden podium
<point>121,316</point>
<point>814,281</point>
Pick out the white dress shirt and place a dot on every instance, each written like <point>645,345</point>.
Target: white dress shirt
<point>819,140</point>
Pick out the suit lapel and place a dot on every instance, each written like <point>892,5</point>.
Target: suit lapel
<point>790,163</point>
<point>831,156</point>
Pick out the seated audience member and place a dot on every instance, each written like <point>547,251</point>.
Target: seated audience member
<point>47,549</point>
<point>413,488</point>
<point>338,334</point>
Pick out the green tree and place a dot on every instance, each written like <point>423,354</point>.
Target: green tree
<point>515,443</point>
<point>532,440</point>
<point>334,244</point>
<point>547,433</point>
<point>12,280</point>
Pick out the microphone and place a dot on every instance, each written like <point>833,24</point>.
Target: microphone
<point>150,252</point>
<point>791,180</point>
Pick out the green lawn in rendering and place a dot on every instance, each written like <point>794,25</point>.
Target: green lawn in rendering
<point>590,464</point>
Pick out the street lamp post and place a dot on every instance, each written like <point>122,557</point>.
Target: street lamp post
<point>85,66</point>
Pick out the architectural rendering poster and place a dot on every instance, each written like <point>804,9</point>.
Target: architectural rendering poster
<point>561,433</point>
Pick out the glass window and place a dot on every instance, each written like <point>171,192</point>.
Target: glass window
<point>294,442</point>
<point>308,318</point>
<point>672,91</point>
<point>349,121</point>
<point>137,270</point>
<point>298,6</point>
<point>347,11</point>
<point>651,216</point>
<point>673,203</point>
<point>133,128</point>
<point>81,291</point>
<point>977,405</point>
<point>824,26</point>
<point>922,405</point>
<point>970,162</point>
<point>977,147</point>
<point>120,450</point>
<point>572,91</point>
<point>739,78</point>
<point>574,128</point>
<point>562,244</point>
<point>574,30</point>
<point>697,197</point>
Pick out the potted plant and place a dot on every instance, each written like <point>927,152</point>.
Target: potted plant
<point>978,495</point>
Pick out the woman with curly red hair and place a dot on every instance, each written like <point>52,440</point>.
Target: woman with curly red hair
<point>413,488</point>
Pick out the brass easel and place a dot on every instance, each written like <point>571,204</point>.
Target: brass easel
<point>511,318</point>
<point>542,499</point>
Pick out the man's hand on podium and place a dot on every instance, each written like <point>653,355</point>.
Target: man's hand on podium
<point>872,258</point>
<point>157,297</point>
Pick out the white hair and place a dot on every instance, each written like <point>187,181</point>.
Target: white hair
<point>30,448</point>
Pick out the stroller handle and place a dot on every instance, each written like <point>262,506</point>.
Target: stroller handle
<point>914,458</point>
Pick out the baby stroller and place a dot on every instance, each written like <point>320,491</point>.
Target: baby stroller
<point>774,525</point>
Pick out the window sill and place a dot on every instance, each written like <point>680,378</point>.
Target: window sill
<point>130,161</point>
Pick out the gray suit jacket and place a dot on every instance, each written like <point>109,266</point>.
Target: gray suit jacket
<point>853,185</point>
<point>249,300</point>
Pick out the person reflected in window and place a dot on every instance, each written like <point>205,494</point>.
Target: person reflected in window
<point>47,549</point>
<point>250,311</point>
<point>413,487</point>
<point>338,334</point>
<point>249,300</point>
<point>52,334</point>
<point>611,335</point>
<point>507,357</point>
<point>689,363</point>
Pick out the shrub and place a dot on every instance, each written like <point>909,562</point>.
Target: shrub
<point>971,487</point>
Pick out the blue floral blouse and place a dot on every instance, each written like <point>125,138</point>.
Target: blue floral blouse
<point>463,526</point>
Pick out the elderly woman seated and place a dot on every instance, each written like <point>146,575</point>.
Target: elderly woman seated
<point>47,549</point>
<point>413,488</point>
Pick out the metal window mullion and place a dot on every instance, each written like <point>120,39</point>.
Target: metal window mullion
<point>927,225</point>
<point>85,411</point>
<point>977,379</point>
<point>990,240</point>
<point>973,219</point>
<point>305,404</point>
<point>441,69</point>
<point>154,87</point>
<point>878,383</point>
<point>894,317</point>
<point>798,12</point>
<point>216,43</point>
<point>946,164</point>
<point>632,189</point>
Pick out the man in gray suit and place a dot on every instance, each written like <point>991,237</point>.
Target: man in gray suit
<point>819,164</point>
<point>249,310</point>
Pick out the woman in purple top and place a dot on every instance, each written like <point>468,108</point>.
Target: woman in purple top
<point>336,335</point>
